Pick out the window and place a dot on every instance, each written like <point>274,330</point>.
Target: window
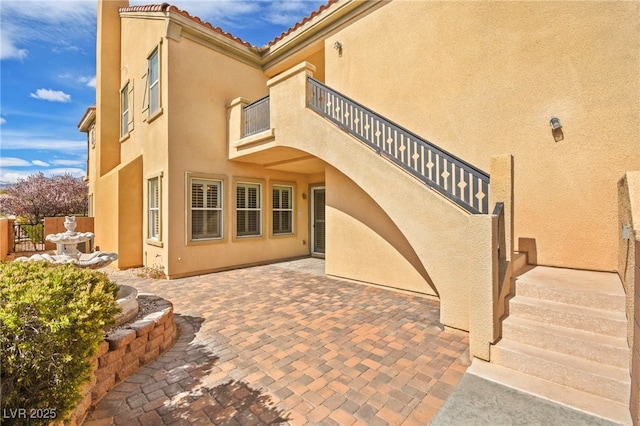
<point>154,208</point>
<point>206,209</point>
<point>153,79</point>
<point>124,108</point>
<point>248,210</point>
<point>282,209</point>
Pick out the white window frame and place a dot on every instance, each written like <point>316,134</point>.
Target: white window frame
<point>219,208</point>
<point>153,105</point>
<point>246,233</point>
<point>125,110</point>
<point>278,209</point>
<point>154,209</point>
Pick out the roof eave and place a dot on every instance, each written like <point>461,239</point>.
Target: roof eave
<point>87,119</point>
<point>317,28</point>
<point>180,26</point>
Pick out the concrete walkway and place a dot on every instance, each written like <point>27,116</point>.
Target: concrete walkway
<point>477,401</point>
<point>284,344</point>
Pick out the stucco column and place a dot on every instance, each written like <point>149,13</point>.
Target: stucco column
<point>235,111</point>
<point>483,286</point>
<point>6,237</point>
<point>501,191</point>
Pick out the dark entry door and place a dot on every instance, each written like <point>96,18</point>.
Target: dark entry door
<point>317,220</point>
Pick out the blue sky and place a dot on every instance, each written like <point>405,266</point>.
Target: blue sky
<point>47,71</point>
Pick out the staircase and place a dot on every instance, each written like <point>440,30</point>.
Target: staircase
<point>565,340</point>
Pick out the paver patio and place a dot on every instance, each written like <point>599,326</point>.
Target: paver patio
<point>284,344</point>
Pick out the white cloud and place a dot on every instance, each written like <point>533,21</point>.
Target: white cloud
<point>89,81</point>
<point>13,162</point>
<point>2,120</point>
<point>8,49</point>
<point>39,163</point>
<point>289,12</point>
<point>67,162</point>
<point>59,22</point>
<point>33,141</point>
<point>13,176</point>
<point>218,13</point>
<point>73,171</point>
<point>51,95</point>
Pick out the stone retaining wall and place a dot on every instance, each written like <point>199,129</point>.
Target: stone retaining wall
<point>124,351</point>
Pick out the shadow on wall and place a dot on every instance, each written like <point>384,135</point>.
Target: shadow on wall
<point>354,202</point>
<point>528,245</point>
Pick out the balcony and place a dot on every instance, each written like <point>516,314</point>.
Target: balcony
<point>256,117</point>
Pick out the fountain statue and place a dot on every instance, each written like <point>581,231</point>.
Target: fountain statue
<point>67,249</point>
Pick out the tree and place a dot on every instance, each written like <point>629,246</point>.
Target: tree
<point>37,197</point>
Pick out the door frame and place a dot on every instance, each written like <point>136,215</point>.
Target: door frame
<point>312,222</point>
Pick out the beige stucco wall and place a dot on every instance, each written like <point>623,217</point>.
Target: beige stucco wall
<point>188,136</point>
<point>108,83</point>
<point>105,210</point>
<point>198,144</point>
<point>484,78</point>
<point>364,244</point>
<point>467,76</point>
<point>436,229</point>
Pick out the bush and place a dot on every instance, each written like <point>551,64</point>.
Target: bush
<point>35,232</point>
<point>52,319</point>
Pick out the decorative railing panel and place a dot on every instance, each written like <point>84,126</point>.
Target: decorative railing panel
<point>257,117</point>
<point>454,178</point>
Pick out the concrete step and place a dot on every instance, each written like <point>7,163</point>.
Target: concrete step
<point>600,321</point>
<point>588,376</point>
<point>597,406</point>
<point>569,341</point>
<point>591,289</point>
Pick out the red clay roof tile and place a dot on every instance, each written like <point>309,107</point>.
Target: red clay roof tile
<point>164,7</point>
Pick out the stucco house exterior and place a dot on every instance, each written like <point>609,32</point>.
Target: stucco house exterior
<point>441,148</point>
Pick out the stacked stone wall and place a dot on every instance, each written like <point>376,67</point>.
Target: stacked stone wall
<point>125,351</point>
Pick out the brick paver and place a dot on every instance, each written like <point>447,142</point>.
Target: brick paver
<point>275,344</point>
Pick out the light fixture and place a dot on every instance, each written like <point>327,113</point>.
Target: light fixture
<point>338,46</point>
<point>555,123</point>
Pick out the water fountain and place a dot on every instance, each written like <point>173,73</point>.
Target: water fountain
<point>67,249</point>
<point>67,252</point>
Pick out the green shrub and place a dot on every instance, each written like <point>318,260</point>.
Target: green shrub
<point>35,232</point>
<point>51,323</point>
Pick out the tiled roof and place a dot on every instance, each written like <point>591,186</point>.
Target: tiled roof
<point>302,22</point>
<point>164,7</point>
<point>149,8</point>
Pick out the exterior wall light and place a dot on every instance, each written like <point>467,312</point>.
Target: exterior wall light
<point>338,46</point>
<point>556,129</point>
